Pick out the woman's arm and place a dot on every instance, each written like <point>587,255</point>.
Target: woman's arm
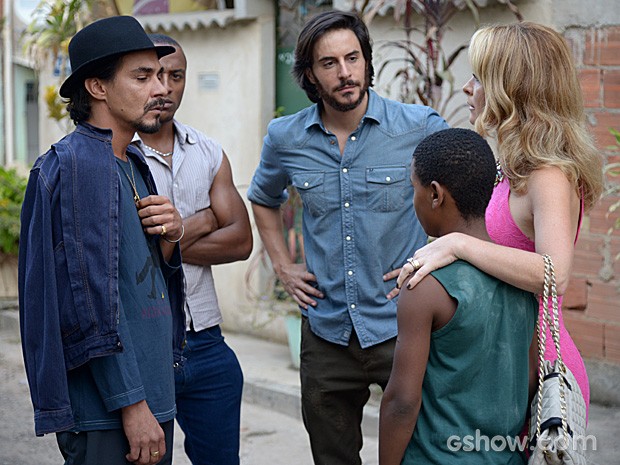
<point>549,211</point>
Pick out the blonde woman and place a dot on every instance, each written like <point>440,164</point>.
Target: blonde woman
<point>524,92</point>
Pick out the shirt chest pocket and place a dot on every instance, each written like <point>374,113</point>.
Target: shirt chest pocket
<point>311,188</point>
<point>386,188</point>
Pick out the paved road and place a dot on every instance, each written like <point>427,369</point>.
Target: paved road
<point>267,437</point>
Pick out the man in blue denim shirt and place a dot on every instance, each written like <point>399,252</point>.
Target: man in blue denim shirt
<point>100,279</point>
<point>348,156</point>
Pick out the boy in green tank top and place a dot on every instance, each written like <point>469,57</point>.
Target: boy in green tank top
<point>458,391</point>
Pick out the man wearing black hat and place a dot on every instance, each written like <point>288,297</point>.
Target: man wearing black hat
<point>100,279</point>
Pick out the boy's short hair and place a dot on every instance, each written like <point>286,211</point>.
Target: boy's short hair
<point>461,161</point>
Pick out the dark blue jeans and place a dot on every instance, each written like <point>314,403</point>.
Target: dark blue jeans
<point>208,396</point>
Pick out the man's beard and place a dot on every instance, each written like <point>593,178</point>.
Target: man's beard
<point>149,128</point>
<point>327,98</point>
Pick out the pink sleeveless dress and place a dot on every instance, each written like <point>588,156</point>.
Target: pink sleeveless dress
<point>503,230</point>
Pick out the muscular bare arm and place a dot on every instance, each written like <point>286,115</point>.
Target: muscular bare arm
<point>222,232</point>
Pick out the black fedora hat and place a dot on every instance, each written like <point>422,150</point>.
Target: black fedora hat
<point>102,39</point>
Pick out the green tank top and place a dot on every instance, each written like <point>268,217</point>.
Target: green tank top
<point>475,390</point>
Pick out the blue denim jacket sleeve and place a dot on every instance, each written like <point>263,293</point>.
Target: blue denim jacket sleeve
<point>40,325</point>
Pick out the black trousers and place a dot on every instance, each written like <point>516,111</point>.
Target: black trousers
<point>105,447</point>
<point>335,384</point>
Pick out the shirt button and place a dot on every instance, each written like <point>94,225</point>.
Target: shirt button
<point>352,305</point>
<point>350,273</point>
<point>344,170</point>
<point>333,142</point>
<point>306,184</point>
<point>388,179</point>
<point>347,204</point>
<point>353,138</point>
<point>348,238</point>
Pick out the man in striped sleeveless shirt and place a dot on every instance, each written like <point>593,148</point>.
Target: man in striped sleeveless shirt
<point>193,170</point>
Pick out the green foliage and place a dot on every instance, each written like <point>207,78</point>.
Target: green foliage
<point>56,108</point>
<point>12,188</point>
<point>613,186</point>
<point>423,68</point>
<point>53,25</point>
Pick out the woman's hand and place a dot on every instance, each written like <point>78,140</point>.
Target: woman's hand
<point>437,254</point>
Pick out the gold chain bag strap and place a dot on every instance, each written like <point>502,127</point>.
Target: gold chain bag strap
<point>558,411</point>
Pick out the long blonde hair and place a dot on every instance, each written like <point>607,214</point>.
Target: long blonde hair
<point>534,106</point>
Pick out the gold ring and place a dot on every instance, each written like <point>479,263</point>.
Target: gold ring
<point>163,230</point>
<point>414,263</point>
<point>155,454</point>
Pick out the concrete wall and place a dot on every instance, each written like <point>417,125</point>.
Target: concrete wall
<point>594,320</point>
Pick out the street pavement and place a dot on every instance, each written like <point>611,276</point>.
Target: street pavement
<point>271,429</point>
<point>268,436</point>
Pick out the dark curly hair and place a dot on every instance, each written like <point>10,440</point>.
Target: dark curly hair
<point>313,30</point>
<point>461,161</point>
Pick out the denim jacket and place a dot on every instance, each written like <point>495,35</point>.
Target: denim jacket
<point>68,268</point>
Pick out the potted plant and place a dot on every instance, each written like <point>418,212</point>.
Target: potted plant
<point>12,188</point>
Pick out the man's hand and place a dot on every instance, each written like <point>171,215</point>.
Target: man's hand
<point>147,444</point>
<point>159,216</point>
<point>387,277</point>
<point>295,278</point>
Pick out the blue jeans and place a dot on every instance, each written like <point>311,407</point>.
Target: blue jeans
<point>208,397</point>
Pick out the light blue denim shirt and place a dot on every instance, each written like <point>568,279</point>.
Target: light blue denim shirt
<point>358,216</point>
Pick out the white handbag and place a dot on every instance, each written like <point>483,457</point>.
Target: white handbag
<point>558,410</point>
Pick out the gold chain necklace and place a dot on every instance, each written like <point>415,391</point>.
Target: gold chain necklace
<point>157,151</point>
<point>132,181</point>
